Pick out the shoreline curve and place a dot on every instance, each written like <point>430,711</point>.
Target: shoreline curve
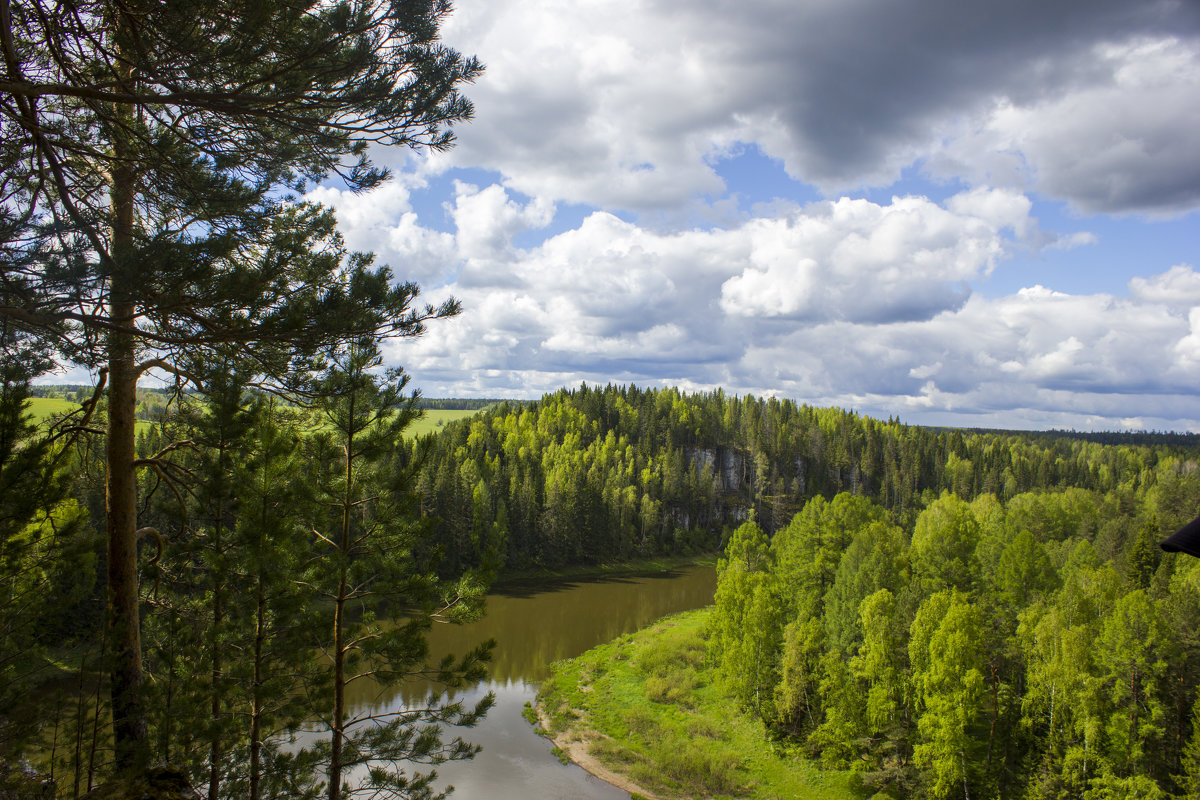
<point>576,749</point>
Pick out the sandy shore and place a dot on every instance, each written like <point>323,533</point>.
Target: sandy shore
<point>575,744</point>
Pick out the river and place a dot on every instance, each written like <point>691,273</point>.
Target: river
<point>533,627</point>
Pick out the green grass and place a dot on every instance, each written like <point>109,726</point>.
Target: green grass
<point>42,408</point>
<point>659,715</point>
<point>433,420</point>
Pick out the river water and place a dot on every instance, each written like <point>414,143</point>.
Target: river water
<point>533,627</point>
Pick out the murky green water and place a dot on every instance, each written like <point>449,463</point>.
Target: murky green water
<point>534,627</point>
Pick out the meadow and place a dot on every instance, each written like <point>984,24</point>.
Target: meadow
<point>649,707</point>
<point>434,419</point>
<point>42,408</point>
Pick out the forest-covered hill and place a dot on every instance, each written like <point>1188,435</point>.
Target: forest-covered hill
<point>599,474</point>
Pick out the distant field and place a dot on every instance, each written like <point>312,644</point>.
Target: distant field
<point>41,408</point>
<point>433,420</point>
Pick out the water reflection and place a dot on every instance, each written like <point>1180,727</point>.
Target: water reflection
<point>533,627</point>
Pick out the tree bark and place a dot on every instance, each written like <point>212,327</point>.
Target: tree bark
<point>339,692</point>
<point>256,713</point>
<point>215,746</point>
<point>339,622</point>
<point>129,716</point>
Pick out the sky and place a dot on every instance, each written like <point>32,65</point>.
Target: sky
<point>981,214</point>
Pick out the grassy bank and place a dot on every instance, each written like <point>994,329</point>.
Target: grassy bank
<point>650,709</point>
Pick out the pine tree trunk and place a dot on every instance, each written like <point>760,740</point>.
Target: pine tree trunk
<point>256,712</point>
<point>339,694</point>
<point>339,625</point>
<point>131,743</point>
<point>214,756</point>
<point>128,711</point>
<point>91,770</point>
<point>80,708</point>
<point>260,643</point>
<point>129,717</point>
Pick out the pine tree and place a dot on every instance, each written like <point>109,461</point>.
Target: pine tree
<point>275,673</point>
<point>46,559</point>
<point>219,431</point>
<point>148,150</point>
<point>382,602</point>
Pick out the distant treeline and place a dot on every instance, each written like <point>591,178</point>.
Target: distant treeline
<point>79,391</point>
<point>66,390</point>
<point>601,474</point>
<point>1147,438</point>
<point>153,400</point>
<point>459,403</point>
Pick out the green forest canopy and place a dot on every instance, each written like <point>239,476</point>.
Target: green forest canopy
<point>952,613</point>
<point>988,529</point>
<point>1039,648</point>
<point>605,474</point>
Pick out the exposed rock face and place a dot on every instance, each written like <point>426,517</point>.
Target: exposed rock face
<point>159,783</point>
<point>847,478</point>
<point>699,458</point>
<point>725,464</point>
<point>733,467</point>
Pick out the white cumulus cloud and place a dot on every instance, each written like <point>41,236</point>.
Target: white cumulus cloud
<point>819,304</point>
<point>856,260</point>
<point>1178,286</point>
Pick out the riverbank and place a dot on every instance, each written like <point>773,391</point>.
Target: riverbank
<point>647,709</point>
<point>569,749</point>
<point>542,578</point>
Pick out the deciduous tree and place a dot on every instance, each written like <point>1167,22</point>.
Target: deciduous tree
<point>747,621</point>
<point>946,652</point>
